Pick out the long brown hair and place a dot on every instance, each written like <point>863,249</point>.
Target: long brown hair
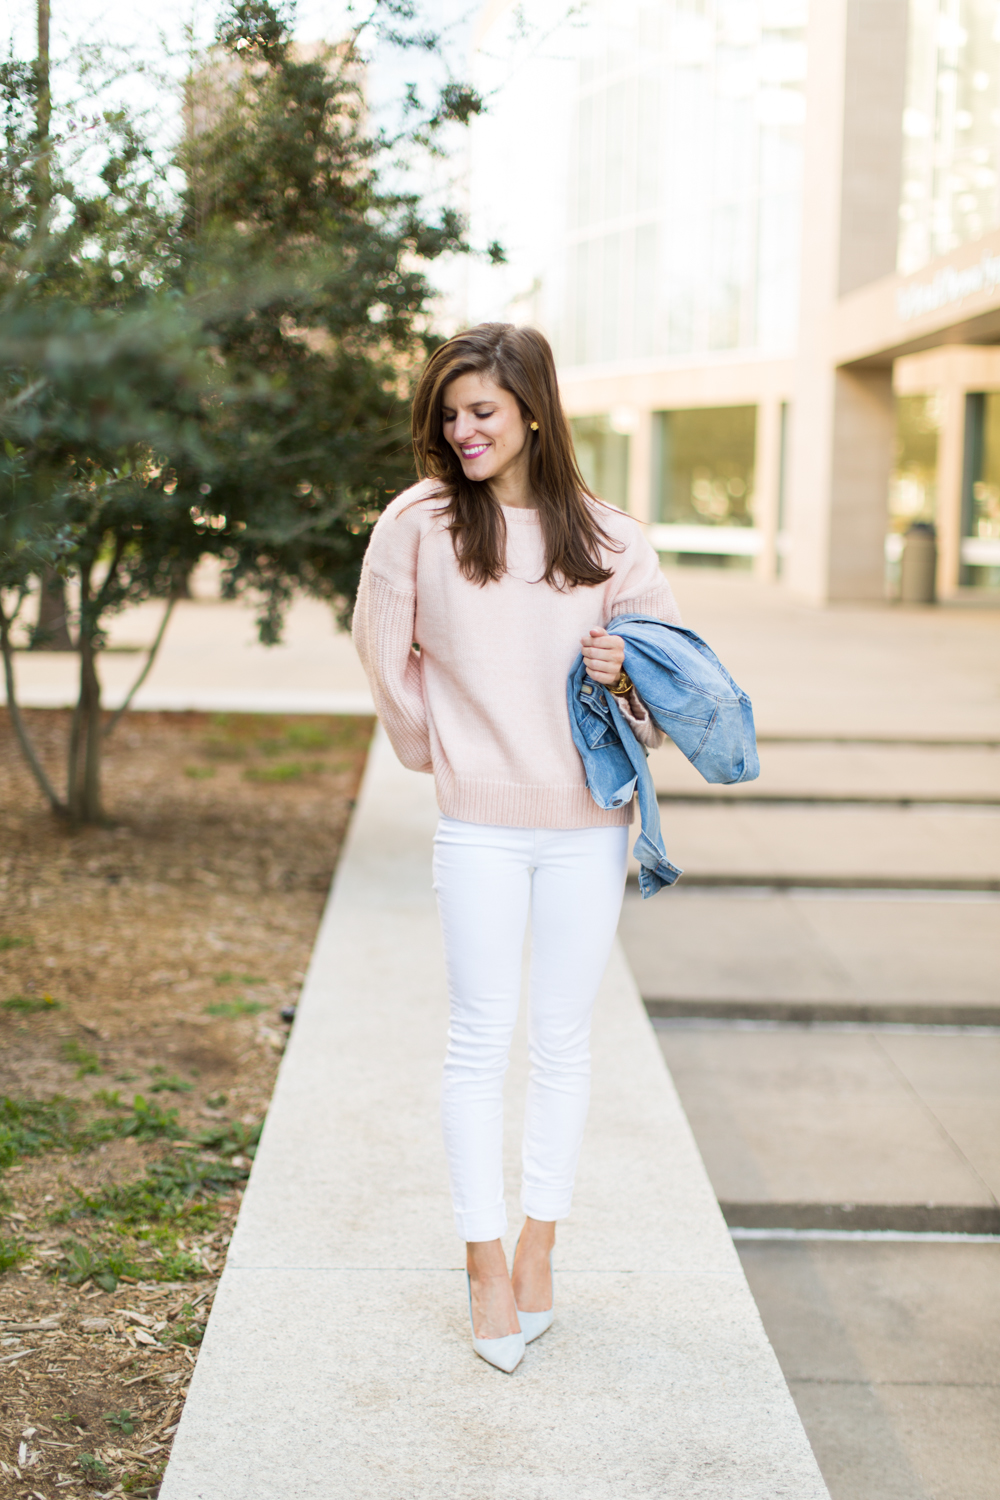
<point>520,361</point>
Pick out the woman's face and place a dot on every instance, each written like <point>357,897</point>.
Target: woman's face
<point>484,425</point>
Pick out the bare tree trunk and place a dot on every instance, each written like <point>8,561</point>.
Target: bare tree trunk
<point>51,631</point>
<point>90,687</point>
<point>150,658</point>
<point>43,104</point>
<point>180,584</point>
<point>13,708</point>
<point>43,114</point>
<point>83,792</point>
<point>73,761</point>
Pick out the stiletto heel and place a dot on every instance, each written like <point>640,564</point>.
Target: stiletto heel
<point>534,1324</point>
<point>506,1353</point>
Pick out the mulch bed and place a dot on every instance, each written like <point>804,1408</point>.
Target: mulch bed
<point>144,967</point>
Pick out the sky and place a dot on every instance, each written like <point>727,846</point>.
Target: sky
<point>149,42</point>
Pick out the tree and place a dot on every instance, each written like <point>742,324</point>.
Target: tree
<point>51,631</point>
<point>225,374</point>
<point>288,191</point>
<point>94,399</point>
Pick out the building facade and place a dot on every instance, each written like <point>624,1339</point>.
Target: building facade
<point>764,238</point>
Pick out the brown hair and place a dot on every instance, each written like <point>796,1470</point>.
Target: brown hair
<point>520,361</point>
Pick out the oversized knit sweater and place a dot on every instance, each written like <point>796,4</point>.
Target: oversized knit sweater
<point>469,680</point>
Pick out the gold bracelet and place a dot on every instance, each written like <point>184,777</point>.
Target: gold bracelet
<point>623,686</point>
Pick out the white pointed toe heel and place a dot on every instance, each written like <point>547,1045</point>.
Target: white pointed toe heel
<point>506,1353</point>
<point>534,1324</point>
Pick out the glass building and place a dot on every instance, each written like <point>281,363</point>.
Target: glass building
<point>764,239</point>
<point>951,129</point>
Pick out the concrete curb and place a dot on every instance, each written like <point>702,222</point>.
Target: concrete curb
<point>337,1362</point>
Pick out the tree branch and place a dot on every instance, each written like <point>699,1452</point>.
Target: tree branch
<point>27,748</point>
<point>151,657</point>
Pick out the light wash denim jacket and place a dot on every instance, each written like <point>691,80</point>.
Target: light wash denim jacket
<point>691,697</point>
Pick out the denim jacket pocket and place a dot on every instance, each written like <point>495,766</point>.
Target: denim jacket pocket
<point>594,721</point>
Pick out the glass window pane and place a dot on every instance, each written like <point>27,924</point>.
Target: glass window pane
<point>913,488</point>
<point>705,465</point>
<point>603,458</point>
<point>982,516</point>
<point>951,129</point>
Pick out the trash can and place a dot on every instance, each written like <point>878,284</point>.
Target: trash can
<point>918,567</point>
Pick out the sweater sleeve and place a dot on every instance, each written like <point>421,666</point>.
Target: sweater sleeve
<point>640,720</point>
<point>383,635</point>
<point>638,586</point>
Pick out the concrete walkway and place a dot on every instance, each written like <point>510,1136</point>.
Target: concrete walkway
<point>211,661</point>
<point>337,1361</point>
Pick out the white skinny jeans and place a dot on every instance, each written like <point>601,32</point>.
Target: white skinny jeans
<point>487,880</point>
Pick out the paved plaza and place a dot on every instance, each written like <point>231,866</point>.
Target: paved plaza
<point>824,987</point>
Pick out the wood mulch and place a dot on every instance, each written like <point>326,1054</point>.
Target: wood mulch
<point>144,967</point>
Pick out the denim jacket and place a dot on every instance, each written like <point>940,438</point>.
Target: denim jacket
<point>691,697</point>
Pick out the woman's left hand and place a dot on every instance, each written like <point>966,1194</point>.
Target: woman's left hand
<point>603,656</point>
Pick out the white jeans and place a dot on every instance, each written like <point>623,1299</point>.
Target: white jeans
<point>487,879</point>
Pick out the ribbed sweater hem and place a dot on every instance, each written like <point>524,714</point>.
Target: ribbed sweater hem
<point>504,804</point>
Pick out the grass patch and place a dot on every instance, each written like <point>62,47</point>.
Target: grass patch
<point>187,1330</point>
<point>8,941</point>
<point>28,1126</point>
<point>31,1126</point>
<point>92,1467</point>
<point>199,773</point>
<point>238,1006</point>
<point>309,737</point>
<point>85,1061</point>
<point>285,770</point>
<point>12,1253</point>
<point>176,1190</point>
<point>145,1120</point>
<point>123,1420</point>
<point>230,1138</point>
<point>169,1082</point>
<point>270,736</point>
<point>80,1264</point>
<point>137,1227</point>
<point>229,978</point>
<point>144,1484</point>
<point>176,1265</point>
<point>29,1005</point>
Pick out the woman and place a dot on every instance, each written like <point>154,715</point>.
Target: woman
<point>480,586</point>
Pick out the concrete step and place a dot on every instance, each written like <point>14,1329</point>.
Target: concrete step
<point>741,842</point>
<point>337,1363</point>
<point>821,771</point>
<point>897,952</point>
<point>890,1353</point>
<point>789,1119</point>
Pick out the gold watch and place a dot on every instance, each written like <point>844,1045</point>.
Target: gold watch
<point>622,686</point>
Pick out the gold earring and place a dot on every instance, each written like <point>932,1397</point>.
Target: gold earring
<point>534,426</point>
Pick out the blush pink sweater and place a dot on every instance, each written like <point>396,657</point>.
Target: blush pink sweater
<point>482,703</point>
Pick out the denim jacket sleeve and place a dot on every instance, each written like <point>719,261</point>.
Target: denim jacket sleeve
<point>616,769</point>
<point>691,697</point>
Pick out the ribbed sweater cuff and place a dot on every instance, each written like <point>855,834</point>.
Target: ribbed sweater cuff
<point>656,601</point>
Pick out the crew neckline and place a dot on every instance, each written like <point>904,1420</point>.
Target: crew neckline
<point>520,512</point>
